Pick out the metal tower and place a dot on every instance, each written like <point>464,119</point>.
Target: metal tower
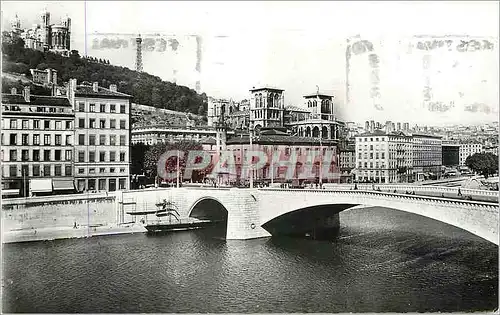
<point>138,60</point>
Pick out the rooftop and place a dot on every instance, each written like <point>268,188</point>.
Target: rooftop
<point>18,99</point>
<point>87,90</point>
<point>320,94</point>
<point>266,87</point>
<point>277,137</point>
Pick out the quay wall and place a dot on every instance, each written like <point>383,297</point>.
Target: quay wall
<point>63,211</point>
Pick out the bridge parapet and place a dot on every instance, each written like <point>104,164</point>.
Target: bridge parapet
<point>415,188</point>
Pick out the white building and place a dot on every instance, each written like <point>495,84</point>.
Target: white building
<point>468,149</point>
<point>384,157</point>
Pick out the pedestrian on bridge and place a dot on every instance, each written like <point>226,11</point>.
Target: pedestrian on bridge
<point>459,192</point>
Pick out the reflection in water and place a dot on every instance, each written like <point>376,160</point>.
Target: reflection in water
<point>382,261</point>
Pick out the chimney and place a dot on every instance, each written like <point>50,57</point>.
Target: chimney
<point>95,87</point>
<point>27,94</point>
<point>13,91</point>
<point>112,88</point>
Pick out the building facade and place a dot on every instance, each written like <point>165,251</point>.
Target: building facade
<point>384,157</point>
<point>47,77</point>
<point>451,154</point>
<point>167,134</point>
<point>273,142</point>
<point>102,137</point>
<point>468,149</point>
<point>347,160</point>
<point>427,156</point>
<point>37,144</point>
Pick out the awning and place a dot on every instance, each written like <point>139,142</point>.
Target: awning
<point>10,192</point>
<point>41,185</point>
<point>63,184</point>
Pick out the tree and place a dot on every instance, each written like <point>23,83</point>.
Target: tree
<point>485,164</point>
<point>138,152</point>
<point>152,156</point>
<point>42,66</point>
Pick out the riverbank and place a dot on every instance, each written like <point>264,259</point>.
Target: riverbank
<point>55,233</point>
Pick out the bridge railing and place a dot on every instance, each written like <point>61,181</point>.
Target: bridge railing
<point>487,206</point>
<point>413,188</point>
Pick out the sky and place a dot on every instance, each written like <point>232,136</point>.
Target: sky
<point>292,45</point>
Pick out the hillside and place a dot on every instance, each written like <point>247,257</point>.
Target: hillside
<point>145,88</point>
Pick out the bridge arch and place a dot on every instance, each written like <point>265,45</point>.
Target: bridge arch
<point>207,208</point>
<point>477,218</point>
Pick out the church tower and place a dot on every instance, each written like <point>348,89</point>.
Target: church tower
<point>45,30</point>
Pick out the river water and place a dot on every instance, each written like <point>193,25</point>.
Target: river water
<point>383,261</point>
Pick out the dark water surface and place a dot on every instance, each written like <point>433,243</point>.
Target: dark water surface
<point>383,261</point>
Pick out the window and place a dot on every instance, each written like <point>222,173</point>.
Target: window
<point>112,156</point>
<point>13,124</point>
<point>383,155</point>
<point>81,106</point>
<point>81,171</point>
<point>58,170</point>
<point>25,124</point>
<point>68,125</point>
<point>58,125</point>
<point>13,139</point>
<point>91,107</point>
<point>111,169</point>
<point>112,108</point>
<point>36,170</point>
<point>112,123</point>
<point>46,155</point>
<point>102,139</point>
<point>25,155</point>
<point>68,155</point>
<point>122,170</point>
<point>92,123</point>
<point>68,170</point>
<point>68,140</point>
<point>112,140</point>
<point>122,140</point>
<point>92,170</point>
<point>36,124</point>
<point>102,123</point>
<point>92,156</point>
<point>24,139</point>
<point>36,155</point>
<point>376,155</point>
<point>102,156</point>
<point>103,108</point>
<point>46,139</point>
<point>102,170</point>
<point>121,183</point>
<point>91,139</point>
<point>46,171</point>
<point>58,139</point>
<point>81,156</point>
<point>57,155</point>
<point>122,124</point>
<point>13,170</point>
<point>81,139</point>
<point>371,155</point>
<point>36,139</point>
<point>46,124</point>
<point>122,109</point>
<point>81,123</point>
<point>102,184</point>
<point>122,156</point>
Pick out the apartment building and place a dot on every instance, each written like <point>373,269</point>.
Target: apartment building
<point>37,144</point>
<point>427,156</point>
<point>347,161</point>
<point>102,137</point>
<point>468,149</point>
<point>384,157</point>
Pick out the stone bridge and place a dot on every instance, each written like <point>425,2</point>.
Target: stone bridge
<point>254,213</point>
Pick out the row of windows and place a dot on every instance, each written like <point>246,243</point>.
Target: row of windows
<point>35,156</point>
<point>92,123</point>
<point>90,184</point>
<point>102,108</point>
<point>377,156</point>
<point>41,170</point>
<point>101,170</point>
<point>27,124</point>
<point>102,157</point>
<point>92,140</point>
<point>36,139</point>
